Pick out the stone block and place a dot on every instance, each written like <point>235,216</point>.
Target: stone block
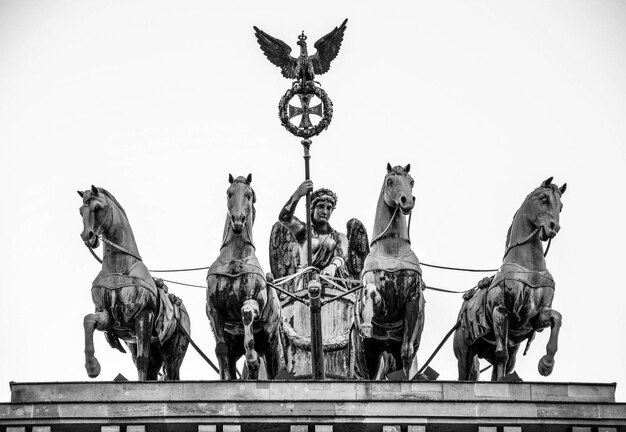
<point>42,429</point>
<point>227,391</point>
<point>135,428</point>
<point>416,428</point>
<point>487,429</point>
<point>323,428</point>
<point>591,392</point>
<point>391,428</point>
<point>607,429</point>
<point>110,429</point>
<point>298,428</point>
<point>512,429</point>
<point>207,428</point>
<point>231,428</point>
<point>580,429</point>
<point>16,429</point>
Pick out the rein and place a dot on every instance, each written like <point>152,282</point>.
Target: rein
<point>245,225</point>
<point>382,234</point>
<point>116,246</point>
<point>526,240</point>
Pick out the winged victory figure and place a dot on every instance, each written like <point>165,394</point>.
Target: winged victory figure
<point>305,67</point>
<point>337,256</point>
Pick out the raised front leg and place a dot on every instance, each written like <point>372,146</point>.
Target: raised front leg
<point>501,333</point>
<point>552,318</point>
<point>250,312</point>
<point>101,321</point>
<point>143,329</point>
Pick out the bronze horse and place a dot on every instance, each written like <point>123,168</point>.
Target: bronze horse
<point>243,310</point>
<point>130,304</point>
<point>389,311</point>
<point>506,310</point>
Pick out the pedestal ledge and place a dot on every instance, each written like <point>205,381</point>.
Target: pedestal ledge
<point>435,406</point>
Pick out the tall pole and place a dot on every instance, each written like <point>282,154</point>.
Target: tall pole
<point>315,301</point>
<point>306,143</point>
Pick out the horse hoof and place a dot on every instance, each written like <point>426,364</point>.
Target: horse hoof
<point>254,366</point>
<point>545,366</point>
<point>366,331</point>
<point>93,368</point>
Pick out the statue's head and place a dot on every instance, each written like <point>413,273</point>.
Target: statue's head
<point>323,202</point>
<point>302,40</point>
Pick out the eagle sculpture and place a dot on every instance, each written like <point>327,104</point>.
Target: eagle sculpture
<point>304,67</point>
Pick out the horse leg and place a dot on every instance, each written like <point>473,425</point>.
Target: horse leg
<point>510,366</point>
<point>386,363</point>
<point>274,356</point>
<point>173,352</point>
<point>501,333</point>
<point>217,321</point>
<point>250,311</point>
<point>370,300</point>
<point>552,318</point>
<point>466,357</point>
<point>143,330</point>
<point>413,326</point>
<point>101,321</point>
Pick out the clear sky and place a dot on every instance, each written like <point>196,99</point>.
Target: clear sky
<point>159,101</point>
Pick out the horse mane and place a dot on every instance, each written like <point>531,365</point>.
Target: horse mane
<point>508,233</point>
<point>112,198</point>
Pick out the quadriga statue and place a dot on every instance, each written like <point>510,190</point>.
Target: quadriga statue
<point>389,310</point>
<point>243,310</point>
<point>508,309</point>
<point>130,304</point>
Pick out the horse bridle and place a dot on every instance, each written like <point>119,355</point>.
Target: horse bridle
<point>105,240</point>
<point>245,226</point>
<point>393,217</point>
<point>531,235</point>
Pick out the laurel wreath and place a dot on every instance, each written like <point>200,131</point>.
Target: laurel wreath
<point>307,88</point>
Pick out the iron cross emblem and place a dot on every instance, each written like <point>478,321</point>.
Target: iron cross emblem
<point>305,110</point>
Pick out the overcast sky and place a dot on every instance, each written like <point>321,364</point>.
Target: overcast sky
<point>159,101</point>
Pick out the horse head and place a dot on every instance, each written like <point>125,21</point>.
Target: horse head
<point>241,199</point>
<point>96,213</point>
<point>542,208</point>
<point>398,188</point>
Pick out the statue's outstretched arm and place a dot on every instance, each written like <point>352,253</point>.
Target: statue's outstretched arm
<point>286,216</point>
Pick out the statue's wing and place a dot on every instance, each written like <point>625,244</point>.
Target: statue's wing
<point>327,49</point>
<point>284,254</point>
<point>358,247</point>
<point>278,52</point>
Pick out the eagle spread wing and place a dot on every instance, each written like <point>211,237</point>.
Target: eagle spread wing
<point>278,52</point>
<point>358,247</point>
<point>284,254</point>
<point>327,49</point>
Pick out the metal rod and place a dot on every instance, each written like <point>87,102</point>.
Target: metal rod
<point>306,143</point>
<point>315,289</point>
<point>287,293</point>
<point>337,297</point>
<point>317,347</point>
